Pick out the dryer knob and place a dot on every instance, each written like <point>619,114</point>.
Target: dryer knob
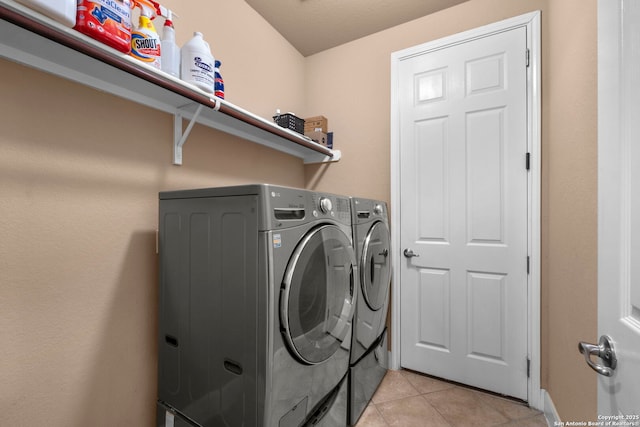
<point>377,209</point>
<point>325,205</point>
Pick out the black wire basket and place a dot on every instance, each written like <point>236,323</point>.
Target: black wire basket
<point>289,121</point>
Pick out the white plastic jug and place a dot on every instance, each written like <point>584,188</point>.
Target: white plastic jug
<point>197,65</point>
<point>63,11</point>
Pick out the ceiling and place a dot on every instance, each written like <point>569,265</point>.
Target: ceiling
<point>312,26</point>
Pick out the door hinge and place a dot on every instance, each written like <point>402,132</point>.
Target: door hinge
<point>528,54</point>
<point>528,262</point>
<point>528,161</point>
<point>528,368</point>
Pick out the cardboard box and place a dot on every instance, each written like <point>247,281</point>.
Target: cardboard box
<point>312,124</point>
<point>319,137</point>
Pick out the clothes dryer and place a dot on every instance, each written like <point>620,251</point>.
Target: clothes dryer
<point>257,294</point>
<point>369,355</point>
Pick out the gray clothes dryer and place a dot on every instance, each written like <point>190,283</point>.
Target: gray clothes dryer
<point>256,299</point>
<point>369,355</point>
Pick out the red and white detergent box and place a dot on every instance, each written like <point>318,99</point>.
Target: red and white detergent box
<point>108,21</point>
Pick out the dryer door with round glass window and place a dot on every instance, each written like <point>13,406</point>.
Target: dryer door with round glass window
<point>317,300</point>
<point>375,266</point>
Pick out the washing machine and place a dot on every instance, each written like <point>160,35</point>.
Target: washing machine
<point>256,299</point>
<point>369,355</point>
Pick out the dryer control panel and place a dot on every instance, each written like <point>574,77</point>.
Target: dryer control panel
<point>366,210</point>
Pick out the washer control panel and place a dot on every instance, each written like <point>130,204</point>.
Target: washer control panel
<point>325,205</point>
<point>332,206</point>
<point>287,205</point>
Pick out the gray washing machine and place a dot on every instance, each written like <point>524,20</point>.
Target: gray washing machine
<point>369,355</point>
<point>257,294</point>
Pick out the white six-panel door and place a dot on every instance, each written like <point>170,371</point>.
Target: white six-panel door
<point>463,200</point>
<point>619,209</point>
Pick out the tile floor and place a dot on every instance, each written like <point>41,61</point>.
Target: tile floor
<point>409,399</point>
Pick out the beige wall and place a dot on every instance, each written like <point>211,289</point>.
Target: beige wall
<point>570,204</point>
<point>80,171</point>
<point>350,85</point>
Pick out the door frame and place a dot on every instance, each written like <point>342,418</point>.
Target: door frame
<point>532,23</point>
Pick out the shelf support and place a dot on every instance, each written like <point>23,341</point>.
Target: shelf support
<point>180,137</point>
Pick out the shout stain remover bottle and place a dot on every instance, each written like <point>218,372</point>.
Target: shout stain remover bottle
<point>145,42</point>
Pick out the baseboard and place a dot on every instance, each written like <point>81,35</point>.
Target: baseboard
<point>550,413</point>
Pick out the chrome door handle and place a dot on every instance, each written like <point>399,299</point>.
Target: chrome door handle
<point>604,350</point>
<point>409,253</point>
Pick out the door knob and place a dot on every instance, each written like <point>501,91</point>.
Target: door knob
<point>604,350</point>
<point>409,253</point>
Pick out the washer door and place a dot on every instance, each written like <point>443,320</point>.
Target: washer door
<point>317,301</point>
<point>375,266</point>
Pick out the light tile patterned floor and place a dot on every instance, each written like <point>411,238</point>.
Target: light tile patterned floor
<point>409,399</point>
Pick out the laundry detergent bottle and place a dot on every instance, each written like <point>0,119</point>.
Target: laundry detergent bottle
<point>197,63</point>
<point>145,41</point>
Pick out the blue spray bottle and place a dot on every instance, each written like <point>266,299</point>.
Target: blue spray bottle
<point>219,83</point>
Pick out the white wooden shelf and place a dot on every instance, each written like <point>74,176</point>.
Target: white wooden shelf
<point>30,38</point>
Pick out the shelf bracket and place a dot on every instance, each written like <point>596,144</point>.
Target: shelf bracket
<point>180,136</point>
